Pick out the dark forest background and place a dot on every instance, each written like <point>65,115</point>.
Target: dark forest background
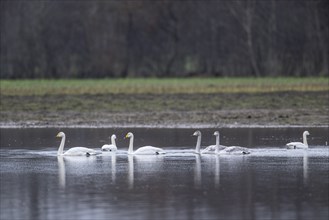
<point>80,39</point>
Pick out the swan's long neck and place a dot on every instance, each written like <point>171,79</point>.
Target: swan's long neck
<point>131,145</point>
<point>61,146</point>
<point>217,144</point>
<point>198,145</point>
<point>113,141</point>
<point>305,139</point>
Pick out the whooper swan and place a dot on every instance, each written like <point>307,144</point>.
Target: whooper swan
<point>299,145</point>
<point>75,151</point>
<point>146,150</point>
<point>111,147</point>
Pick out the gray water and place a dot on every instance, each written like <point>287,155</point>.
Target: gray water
<point>270,183</point>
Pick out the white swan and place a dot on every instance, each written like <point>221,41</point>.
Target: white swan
<point>212,148</point>
<point>146,150</point>
<point>218,147</point>
<point>75,151</point>
<point>299,145</point>
<point>208,150</point>
<point>110,147</point>
<point>198,142</point>
<point>233,150</point>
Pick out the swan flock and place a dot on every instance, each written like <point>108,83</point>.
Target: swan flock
<point>216,149</point>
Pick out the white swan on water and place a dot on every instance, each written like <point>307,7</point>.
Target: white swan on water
<point>75,151</point>
<point>212,148</point>
<point>110,147</point>
<point>218,147</point>
<point>198,142</point>
<point>208,150</point>
<point>232,150</point>
<point>299,145</point>
<point>146,150</point>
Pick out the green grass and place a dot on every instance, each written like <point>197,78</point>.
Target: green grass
<point>161,86</point>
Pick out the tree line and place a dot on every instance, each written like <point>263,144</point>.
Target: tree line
<point>167,38</point>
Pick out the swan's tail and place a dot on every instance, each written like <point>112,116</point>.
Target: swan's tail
<point>92,153</point>
<point>291,146</point>
<point>160,152</point>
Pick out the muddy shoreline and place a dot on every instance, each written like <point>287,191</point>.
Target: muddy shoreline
<point>201,119</point>
<point>174,111</point>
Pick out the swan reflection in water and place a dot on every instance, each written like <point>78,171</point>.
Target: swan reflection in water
<point>61,172</point>
<point>76,164</point>
<point>217,172</point>
<point>305,166</point>
<point>113,166</point>
<point>197,172</point>
<point>106,155</point>
<point>130,171</point>
<point>145,166</point>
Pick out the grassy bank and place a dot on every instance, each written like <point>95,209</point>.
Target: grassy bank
<point>210,101</point>
<point>161,86</point>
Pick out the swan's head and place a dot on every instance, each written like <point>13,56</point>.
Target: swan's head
<point>60,134</point>
<point>197,133</point>
<point>216,133</point>
<point>129,135</point>
<point>306,133</point>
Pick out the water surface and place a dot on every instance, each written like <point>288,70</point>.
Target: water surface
<point>270,183</point>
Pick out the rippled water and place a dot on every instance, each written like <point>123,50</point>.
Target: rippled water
<point>270,183</point>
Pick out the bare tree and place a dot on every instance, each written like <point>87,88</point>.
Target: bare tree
<point>243,11</point>
<point>98,38</point>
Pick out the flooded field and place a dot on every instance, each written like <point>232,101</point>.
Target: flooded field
<point>269,183</point>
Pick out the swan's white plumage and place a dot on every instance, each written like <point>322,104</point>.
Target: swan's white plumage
<point>110,147</point>
<point>211,149</point>
<point>208,150</point>
<point>146,150</point>
<point>235,150</point>
<point>80,151</point>
<point>75,151</point>
<point>296,145</point>
<point>149,150</point>
<point>198,142</point>
<point>299,145</point>
<point>232,150</point>
<point>214,149</point>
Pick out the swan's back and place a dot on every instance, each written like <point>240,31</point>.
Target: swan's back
<point>296,145</point>
<point>236,150</point>
<point>147,150</point>
<point>80,151</point>
<point>211,149</point>
<point>109,147</point>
